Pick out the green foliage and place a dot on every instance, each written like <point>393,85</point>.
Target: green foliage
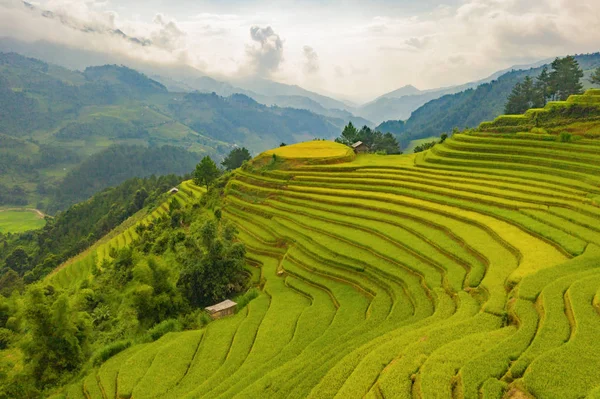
<point>565,78</point>
<point>564,137</point>
<point>424,146</point>
<point>77,228</point>
<point>373,139</point>
<point>243,300</point>
<point>472,107</point>
<point>58,336</point>
<point>155,298</point>
<point>108,351</point>
<point>236,158</point>
<point>6,337</point>
<point>206,172</point>
<point>213,264</point>
<point>117,164</point>
<point>165,326</point>
<point>595,77</point>
<point>528,94</point>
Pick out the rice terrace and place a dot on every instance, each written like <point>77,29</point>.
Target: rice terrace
<point>469,270</point>
<point>323,200</point>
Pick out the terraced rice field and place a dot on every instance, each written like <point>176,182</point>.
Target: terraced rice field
<point>468,271</point>
<point>79,268</point>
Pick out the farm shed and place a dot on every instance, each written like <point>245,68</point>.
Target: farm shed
<point>219,310</point>
<point>360,148</point>
<point>174,190</point>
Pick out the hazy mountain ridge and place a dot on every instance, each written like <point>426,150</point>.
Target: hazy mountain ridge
<point>68,116</point>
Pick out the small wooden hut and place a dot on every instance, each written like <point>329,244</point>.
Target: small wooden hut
<point>225,308</point>
<point>174,190</point>
<point>360,148</point>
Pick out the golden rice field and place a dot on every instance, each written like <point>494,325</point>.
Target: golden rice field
<point>469,271</point>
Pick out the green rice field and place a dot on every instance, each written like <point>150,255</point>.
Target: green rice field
<point>17,221</point>
<point>471,270</point>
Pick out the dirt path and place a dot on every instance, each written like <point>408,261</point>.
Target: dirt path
<point>39,213</point>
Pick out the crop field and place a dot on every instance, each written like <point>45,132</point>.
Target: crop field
<point>469,271</point>
<point>17,221</point>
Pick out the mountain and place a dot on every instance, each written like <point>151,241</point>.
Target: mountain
<point>471,107</point>
<point>68,116</point>
<point>399,104</point>
<point>408,90</point>
<point>181,78</point>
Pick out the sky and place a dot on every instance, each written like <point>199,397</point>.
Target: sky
<point>351,49</point>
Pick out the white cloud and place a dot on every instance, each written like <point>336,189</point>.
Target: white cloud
<point>311,63</point>
<point>359,52</point>
<point>267,54</point>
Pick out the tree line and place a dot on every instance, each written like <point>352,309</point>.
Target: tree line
<point>556,84</point>
<point>374,140</point>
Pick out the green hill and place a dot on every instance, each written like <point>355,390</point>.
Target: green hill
<point>471,107</point>
<point>57,118</point>
<point>469,270</point>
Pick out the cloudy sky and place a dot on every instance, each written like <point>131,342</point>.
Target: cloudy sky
<point>356,49</point>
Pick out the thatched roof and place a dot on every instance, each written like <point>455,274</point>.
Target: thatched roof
<point>226,304</point>
<point>357,144</point>
<point>174,190</point>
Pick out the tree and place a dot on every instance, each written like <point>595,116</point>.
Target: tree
<point>542,85</point>
<point>565,78</point>
<point>236,158</point>
<point>349,135</point>
<point>386,143</point>
<point>516,102</point>
<point>58,337</point>
<point>206,172</point>
<point>213,264</point>
<point>18,260</point>
<point>595,78</point>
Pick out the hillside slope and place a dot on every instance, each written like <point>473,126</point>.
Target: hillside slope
<point>59,118</point>
<point>470,270</point>
<point>471,107</point>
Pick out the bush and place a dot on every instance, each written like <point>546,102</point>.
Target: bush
<point>160,329</point>
<point>424,147</point>
<point>108,351</point>
<point>244,300</point>
<point>565,137</point>
<point>203,319</point>
<point>5,338</point>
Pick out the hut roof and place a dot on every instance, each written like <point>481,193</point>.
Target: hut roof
<point>357,144</point>
<point>226,304</point>
<point>174,190</point>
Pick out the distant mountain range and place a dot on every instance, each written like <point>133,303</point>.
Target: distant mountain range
<point>470,107</point>
<point>397,104</point>
<point>55,119</point>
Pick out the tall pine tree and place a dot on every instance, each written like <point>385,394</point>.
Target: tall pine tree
<point>595,78</point>
<point>565,78</point>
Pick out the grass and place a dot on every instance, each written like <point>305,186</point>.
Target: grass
<point>18,221</point>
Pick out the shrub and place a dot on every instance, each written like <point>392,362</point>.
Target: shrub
<point>243,300</point>
<point>203,319</point>
<point>5,338</point>
<point>425,146</point>
<point>565,137</point>
<point>160,329</point>
<point>108,351</point>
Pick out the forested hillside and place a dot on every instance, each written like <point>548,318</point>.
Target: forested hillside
<point>52,119</point>
<point>473,106</point>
